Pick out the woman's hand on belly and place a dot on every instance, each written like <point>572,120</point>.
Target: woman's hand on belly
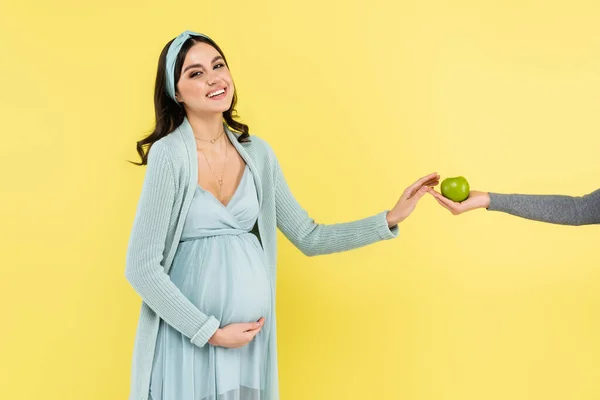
<point>236,335</point>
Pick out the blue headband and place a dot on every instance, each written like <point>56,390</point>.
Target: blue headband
<point>172,53</point>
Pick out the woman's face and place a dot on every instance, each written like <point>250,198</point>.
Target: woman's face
<point>205,84</point>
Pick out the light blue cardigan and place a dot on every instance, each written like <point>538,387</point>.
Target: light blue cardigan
<point>169,184</point>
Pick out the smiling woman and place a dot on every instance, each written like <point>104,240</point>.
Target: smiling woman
<point>202,251</point>
<point>219,265</point>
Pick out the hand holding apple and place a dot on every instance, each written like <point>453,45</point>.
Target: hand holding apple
<point>475,200</point>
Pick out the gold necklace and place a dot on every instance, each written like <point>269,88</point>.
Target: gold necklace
<point>213,140</point>
<point>219,181</point>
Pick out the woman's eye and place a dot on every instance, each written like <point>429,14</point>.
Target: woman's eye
<point>219,65</point>
<point>195,74</point>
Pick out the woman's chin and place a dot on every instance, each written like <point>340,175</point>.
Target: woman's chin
<point>215,109</point>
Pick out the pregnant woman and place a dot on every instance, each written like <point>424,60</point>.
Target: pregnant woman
<point>202,250</point>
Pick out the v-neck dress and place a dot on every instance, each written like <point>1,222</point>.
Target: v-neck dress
<point>220,267</point>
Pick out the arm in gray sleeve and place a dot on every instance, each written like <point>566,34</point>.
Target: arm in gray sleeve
<point>554,209</point>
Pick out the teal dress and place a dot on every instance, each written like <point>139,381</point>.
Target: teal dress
<point>220,267</point>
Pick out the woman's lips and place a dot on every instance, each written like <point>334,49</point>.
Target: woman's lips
<point>222,93</point>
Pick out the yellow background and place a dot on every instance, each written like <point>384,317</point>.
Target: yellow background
<point>358,99</point>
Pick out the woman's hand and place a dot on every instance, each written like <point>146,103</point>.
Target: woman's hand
<point>408,201</point>
<point>475,200</point>
<point>236,335</point>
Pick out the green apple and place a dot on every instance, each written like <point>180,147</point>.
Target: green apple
<point>455,189</point>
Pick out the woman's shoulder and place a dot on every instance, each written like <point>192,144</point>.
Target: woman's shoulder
<point>259,147</point>
<point>171,141</point>
<point>170,146</point>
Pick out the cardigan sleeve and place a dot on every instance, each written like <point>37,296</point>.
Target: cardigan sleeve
<point>144,268</point>
<point>554,209</point>
<point>314,239</point>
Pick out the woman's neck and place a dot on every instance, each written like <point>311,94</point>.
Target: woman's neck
<point>206,128</point>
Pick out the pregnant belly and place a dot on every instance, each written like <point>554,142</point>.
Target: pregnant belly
<point>224,276</point>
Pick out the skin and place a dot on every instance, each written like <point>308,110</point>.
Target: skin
<point>476,200</point>
<point>204,72</point>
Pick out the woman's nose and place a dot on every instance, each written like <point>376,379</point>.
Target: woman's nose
<point>212,80</point>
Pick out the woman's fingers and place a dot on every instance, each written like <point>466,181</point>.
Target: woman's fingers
<point>251,334</point>
<point>431,183</point>
<point>254,332</point>
<point>252,326</point>
<point>419,193</point>
<point>426,181</point>
<point>421,181</point>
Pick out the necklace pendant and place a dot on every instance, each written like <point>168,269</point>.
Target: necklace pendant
<point>220,182</point>
<point>212,141</point>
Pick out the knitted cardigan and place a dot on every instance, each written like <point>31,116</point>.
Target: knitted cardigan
<point>167,191</point>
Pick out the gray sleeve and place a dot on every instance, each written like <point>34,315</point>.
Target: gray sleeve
<point>554,209</point>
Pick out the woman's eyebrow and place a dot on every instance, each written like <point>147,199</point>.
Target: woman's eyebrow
<point>200,65</point>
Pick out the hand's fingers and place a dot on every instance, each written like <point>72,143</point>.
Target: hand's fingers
<point>419,193</point>
<point>410,191</point>
<point>444,205</point>
<point>432,182</point>
<point>251,326</point>
<point>437,196</point>
<point>251,334</point>
<point>431,177</point>
<point>440,197</point>
<point>434,192</point>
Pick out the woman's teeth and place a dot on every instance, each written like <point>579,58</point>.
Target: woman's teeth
<point>218,92</point>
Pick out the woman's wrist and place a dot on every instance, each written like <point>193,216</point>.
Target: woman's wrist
<point>214,338</point>
<point>391,219</point>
